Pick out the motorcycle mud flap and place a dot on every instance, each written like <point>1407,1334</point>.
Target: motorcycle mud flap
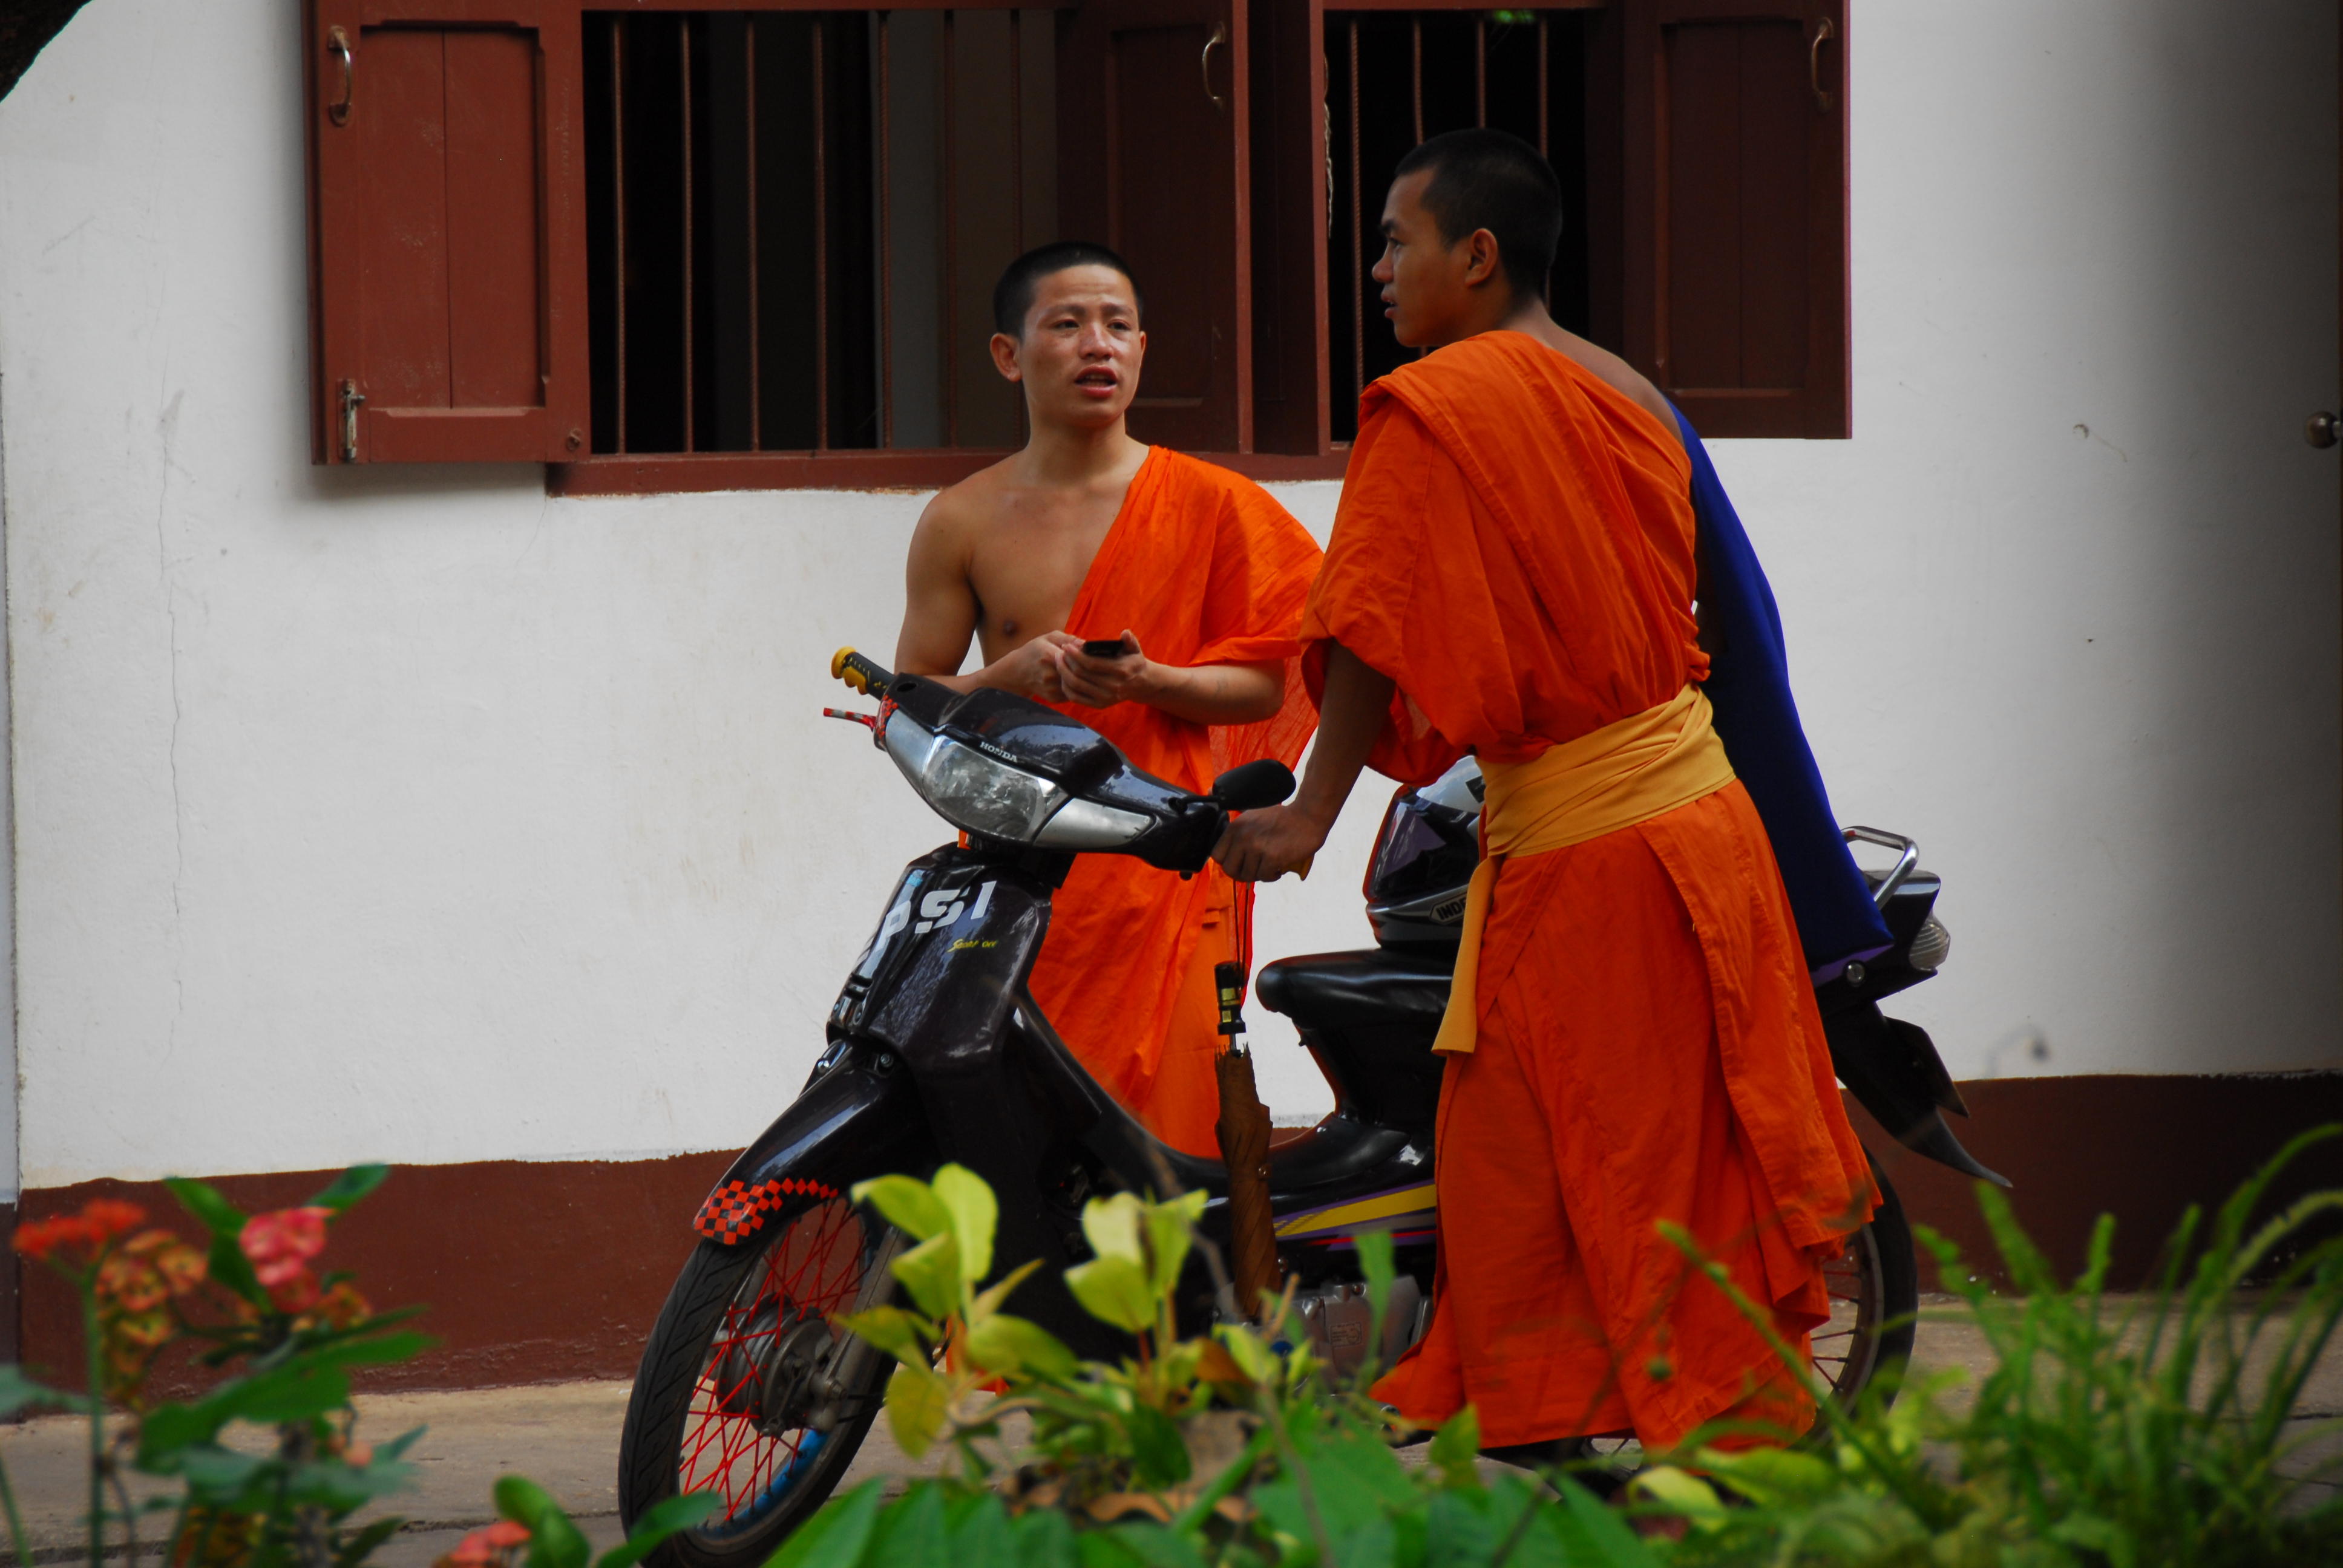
<point>1892,1068</point>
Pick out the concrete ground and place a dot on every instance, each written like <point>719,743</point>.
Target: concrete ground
<point>566,1438</point>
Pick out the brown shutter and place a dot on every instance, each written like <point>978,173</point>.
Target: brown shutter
<point>1290,375</point>
<point>1154,100</point>
<point>1735,211</point>
<point>447,230</point>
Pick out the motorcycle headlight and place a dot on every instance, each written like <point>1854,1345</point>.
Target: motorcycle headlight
<point>970,789</point>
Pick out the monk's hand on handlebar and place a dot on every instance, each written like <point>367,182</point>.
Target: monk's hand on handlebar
<point>1264,845</point>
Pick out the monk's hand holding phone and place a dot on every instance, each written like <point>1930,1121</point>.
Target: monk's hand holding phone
<point>1034,670</point>
<point>1102,672</point>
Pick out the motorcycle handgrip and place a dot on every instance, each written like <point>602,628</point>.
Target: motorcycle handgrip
<point>863,675</point>
<point>1250,786</point>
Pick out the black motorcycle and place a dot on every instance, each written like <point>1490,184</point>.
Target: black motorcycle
<point>937,1052</point>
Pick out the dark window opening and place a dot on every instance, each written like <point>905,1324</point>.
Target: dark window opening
<point>795,219</point>
<point>1394,78</point>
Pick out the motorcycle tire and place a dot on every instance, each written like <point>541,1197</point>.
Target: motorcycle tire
<point>1876,1287</point>
<point>747,1390</point>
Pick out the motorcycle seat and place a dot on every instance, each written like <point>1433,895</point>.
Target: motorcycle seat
<point>1369,1017</point>
<point>1373,986</point>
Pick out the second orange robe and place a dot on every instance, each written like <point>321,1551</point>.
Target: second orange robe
<point>1516,549</point>
<point>1206,569</point>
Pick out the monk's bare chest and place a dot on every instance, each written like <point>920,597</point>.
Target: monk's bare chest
<point>1027,565</point>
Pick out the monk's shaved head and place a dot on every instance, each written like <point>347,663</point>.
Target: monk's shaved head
<point>1012,297</point>
<point>1488,179</point>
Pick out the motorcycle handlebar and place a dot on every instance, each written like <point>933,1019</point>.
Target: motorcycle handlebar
<point>1190,824</point>
<point>865,676</point>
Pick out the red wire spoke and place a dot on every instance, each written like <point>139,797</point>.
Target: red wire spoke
<point>813,1270</point>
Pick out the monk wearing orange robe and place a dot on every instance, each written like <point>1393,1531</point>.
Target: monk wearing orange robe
<point>1631,1037</point>
<point>1197,579</point>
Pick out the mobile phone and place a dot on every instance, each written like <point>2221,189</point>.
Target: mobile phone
<point>1104,648</point>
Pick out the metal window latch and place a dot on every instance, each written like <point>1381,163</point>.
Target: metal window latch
<point>351,401</point>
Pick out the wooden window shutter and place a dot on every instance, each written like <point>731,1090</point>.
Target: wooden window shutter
<point>1153,110</point>
<point>1290,221</point>
<point>447,230</point>
<point>1735,293</point>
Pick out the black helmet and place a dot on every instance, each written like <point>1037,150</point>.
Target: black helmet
<point>1424,855</point>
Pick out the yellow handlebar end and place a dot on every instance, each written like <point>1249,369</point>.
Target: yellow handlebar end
<point>837,663</point>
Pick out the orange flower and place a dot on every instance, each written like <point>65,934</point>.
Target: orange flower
<point>101,1220</point>
<point>340,1308</point>
<point>183,1268</point>
<point>485,1546</point>
<point>146,1271</point>
<point>40,1239</point>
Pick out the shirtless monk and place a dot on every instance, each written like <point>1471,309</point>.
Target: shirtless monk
<point>1087,534</point>
<point>1632,1039</point>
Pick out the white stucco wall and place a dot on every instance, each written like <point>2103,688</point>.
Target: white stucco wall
<point>410,814</point>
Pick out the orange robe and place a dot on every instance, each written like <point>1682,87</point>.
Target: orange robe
<point>1207,570</point>
<point>1515,549</point>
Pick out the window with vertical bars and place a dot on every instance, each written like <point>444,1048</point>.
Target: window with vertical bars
<point>795,220</point>
<point>694,244</point>
<point>1394,78</point>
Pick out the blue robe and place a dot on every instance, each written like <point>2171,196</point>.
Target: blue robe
<point>1749,687</point>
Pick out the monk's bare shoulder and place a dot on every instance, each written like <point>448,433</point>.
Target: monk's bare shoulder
<point>957,518</point>
<point>970,504</point>
<point>1620,375</point>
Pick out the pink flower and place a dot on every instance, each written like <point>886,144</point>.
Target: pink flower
<point>281,1243</point>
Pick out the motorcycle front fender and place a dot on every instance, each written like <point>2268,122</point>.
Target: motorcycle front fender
<point>1892,1068</point>
<point>860,1116</point>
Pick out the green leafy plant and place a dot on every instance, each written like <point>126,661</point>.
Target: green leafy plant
<point>286,1335</point>
<point>294,1333</point>
<point>2155,1431</point>
<point>1227,1447</point>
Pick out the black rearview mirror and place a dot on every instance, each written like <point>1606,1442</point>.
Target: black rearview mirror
<point>1253,786</point>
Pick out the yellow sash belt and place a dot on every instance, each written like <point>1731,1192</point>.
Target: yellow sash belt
<point>1621,774</point>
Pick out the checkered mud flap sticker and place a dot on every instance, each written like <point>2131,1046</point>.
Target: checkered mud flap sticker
<point>736,1210</point>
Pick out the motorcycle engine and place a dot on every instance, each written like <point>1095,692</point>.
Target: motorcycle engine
<point>1339,1322</point>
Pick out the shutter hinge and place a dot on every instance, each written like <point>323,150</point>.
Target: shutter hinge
<point>351,398</point>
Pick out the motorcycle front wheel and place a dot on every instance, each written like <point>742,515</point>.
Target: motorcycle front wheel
<point>748,1390</point>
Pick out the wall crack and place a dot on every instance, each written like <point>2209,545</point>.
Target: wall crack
<point>169,429</point>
